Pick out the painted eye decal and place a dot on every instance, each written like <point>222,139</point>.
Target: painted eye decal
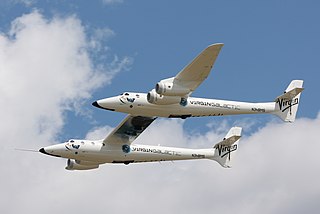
<point>125,99</point>
<point>75,146</point>
<point>121,100</point>
<point>131,100</point>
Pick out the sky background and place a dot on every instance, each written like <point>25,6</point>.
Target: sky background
<point>57,57</point>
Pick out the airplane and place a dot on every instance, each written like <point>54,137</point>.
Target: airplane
<point>117,147</point>
<point>171,97</point>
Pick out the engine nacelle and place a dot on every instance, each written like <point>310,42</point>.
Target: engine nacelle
<point>158,99</point>
<point>81,165</point>
<point>168,88</point>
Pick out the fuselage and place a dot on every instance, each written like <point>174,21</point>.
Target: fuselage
<point>98,153</point>
<point>137,104</point>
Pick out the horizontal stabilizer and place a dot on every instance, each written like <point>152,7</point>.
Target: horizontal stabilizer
<point>289,95</point>
<point>228,141</point>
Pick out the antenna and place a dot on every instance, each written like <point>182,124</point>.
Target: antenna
<point>26,150</point>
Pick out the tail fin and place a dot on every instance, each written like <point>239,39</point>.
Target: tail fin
<point>225,150</point>
<point>287,103</point>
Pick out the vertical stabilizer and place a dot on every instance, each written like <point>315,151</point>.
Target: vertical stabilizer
<point>286,105</point>
<point>225,150</point>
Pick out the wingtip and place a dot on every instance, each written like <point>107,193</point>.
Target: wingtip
<point>236,130</point>
<point>216,45</point>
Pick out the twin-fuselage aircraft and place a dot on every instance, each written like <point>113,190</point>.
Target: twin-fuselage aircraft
<point>170,98</point>
<point>117,148</point>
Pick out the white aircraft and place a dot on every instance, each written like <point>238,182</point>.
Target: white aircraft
<point>171,97</point>
<point>117,148</point>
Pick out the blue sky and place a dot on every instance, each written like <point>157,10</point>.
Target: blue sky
<point>57,57</point>
<point>267,44</point>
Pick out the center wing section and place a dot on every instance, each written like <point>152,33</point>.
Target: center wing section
<point>128,130</point>
<point>198,70</point>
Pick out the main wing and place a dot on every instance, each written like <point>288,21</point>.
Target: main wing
<point>189,78</point>
<point>198,70</point>
<point>128,130</point>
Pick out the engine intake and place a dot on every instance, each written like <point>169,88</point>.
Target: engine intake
<point>158,99</point>
<point>171,89</point>
<point>81,165</point>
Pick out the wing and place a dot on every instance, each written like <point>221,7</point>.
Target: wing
<point>198,70</point>
<point>129,129</point>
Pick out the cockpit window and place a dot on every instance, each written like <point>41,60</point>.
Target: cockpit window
<point>127,94</point>
<point>71,141</point>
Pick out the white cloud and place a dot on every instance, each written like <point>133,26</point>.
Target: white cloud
<point>275,171</point>
<point>45,69</point>
<point>98,133</point>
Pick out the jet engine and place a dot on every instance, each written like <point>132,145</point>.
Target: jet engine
<point>158,99</point>
<point>81,165</point>
<point>169,88</point>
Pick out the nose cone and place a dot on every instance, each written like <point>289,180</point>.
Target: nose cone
<point>95,104</point>
<point>43,151</point>
<point>107,104</point>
